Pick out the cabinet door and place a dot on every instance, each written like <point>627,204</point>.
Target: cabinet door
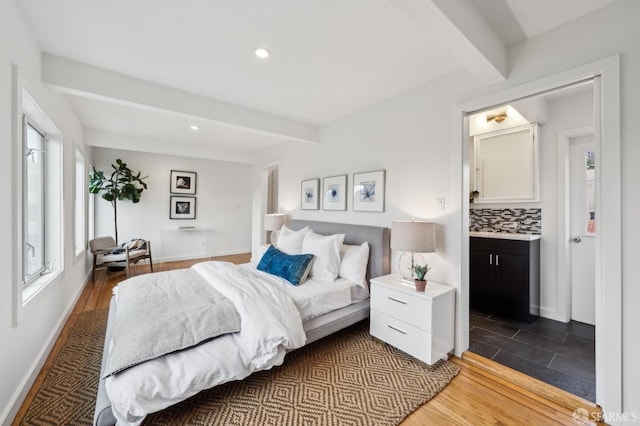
<point>482,283</point>
<point>513,278</point>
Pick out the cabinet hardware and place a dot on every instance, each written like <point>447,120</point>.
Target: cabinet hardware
<point>396,329</point>
<point>497,260</point>
<point>490,259</point>
<point>396,300</point>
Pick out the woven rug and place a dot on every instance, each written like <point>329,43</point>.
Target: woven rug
<point>348,378</point>
<point>68,394</point>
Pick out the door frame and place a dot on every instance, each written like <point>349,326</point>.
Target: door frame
<point>608,263</point>
<point>563,203</point>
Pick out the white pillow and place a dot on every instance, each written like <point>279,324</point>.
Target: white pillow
<point>326,248</point>
<point>354,263</point>
<point>290,241</point>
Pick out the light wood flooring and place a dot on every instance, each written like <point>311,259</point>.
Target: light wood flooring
<point>483,393</point>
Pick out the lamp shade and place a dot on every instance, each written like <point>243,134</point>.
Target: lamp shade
<point>413,236</point>
<point>274,222</point>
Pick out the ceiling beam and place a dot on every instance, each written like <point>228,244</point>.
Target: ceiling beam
<point>462,30</point>
<point>85,80</point>
<point>98,138</point>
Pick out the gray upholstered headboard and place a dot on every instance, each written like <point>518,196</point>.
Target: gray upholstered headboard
<point>376,236</point>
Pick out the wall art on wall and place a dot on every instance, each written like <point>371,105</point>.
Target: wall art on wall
<point>334,190</point>
<point>368,191</point>
<point>182,208</point>
<point>309,194</point>
<point>183,182</point>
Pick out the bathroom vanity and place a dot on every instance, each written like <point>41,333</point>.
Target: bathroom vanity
<point>504,276</point>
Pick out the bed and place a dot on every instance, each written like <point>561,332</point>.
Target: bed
<point>315,327</point>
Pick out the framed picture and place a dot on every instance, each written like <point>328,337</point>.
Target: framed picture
<point>182,208</point>
<point>183,182</point>
<point>334,190</point>
<point>368,191</point>
<point>309,194</point>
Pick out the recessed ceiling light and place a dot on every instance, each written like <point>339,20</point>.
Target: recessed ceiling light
<point>194,127</point>
<point>262,53</point>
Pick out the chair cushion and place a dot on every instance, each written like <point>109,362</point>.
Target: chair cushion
<point>121,257</point>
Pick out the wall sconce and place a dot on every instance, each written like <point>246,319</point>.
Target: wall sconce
<point>483,119</point>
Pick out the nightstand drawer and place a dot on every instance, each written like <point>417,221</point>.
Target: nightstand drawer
<point>402,306</point>
<point>409,339</point>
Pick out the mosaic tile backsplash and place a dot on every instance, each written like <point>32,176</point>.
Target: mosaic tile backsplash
<point>520,221</point>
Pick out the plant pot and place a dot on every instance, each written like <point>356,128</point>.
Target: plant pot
<point>420,284</point>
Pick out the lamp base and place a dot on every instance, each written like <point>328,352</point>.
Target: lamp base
<point>274,237</point>
<point>408,283</point>
<point>405,265</point>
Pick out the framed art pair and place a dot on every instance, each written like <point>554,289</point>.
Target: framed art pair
<point>182,207</point>
<point>368,192</point>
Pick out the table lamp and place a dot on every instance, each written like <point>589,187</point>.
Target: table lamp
<point>412,237</point>
<point>273,222</point>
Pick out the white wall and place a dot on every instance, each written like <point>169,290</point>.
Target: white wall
<point>223,202</point>
<point>412,135</point>
<point>563,113</point>
<point>26,344</point>
<point>408,136</point>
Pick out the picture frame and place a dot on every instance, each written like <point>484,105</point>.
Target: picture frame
<point>334,193</point>
<point>368,191</point>
<point>182,207</point>
<point>310,194</point>
<point>183,182</point>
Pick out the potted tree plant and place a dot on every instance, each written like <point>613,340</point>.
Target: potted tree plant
<point>122,184</point>
<point>421,274</point>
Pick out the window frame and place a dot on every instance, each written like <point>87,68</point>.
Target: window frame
<point>28,278</point>
<point>79,211</point>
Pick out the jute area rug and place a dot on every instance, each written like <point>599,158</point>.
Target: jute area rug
<point>348,378</point>
<point>68,394</point>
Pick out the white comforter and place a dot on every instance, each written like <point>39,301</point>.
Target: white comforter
<point>271,324</point>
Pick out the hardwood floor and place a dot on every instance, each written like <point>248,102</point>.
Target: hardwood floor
<point>483,393</point>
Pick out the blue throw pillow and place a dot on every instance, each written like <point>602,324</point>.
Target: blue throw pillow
<point>293,268</point>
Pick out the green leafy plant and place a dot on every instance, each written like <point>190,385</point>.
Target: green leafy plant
<point>421,271</point>
<point>122,184</point>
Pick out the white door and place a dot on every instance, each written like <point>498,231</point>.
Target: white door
<point>583,228</point>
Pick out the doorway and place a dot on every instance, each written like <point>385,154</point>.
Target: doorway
<point>582,224</point>
<point>559,347</point>
<point>608,266</point>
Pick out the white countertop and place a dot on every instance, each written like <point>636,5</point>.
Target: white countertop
<point>504,236</point>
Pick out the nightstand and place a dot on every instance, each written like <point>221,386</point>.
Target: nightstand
<point>420,324</point>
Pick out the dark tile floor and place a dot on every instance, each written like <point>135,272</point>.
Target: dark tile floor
<point>561,354</point>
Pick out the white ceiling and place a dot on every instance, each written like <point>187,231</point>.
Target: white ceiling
<point>329,59</point>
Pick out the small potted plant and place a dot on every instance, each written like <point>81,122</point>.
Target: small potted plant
<point>421,274</point>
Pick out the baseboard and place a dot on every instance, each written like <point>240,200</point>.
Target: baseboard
<point>544,390</point>
<point>26,384</point>
<point>552,314</point>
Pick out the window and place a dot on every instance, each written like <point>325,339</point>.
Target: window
<point>33,225</point>
<point>590,191</point>
<point>41,218</point>
<point>81,177</point>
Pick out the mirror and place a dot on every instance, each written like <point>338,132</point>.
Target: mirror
<point>506,165</point>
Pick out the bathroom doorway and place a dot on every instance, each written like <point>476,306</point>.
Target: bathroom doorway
<point>554,348</point>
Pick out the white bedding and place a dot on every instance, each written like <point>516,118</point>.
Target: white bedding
<point>315,297</point>
<point>272,313</point>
